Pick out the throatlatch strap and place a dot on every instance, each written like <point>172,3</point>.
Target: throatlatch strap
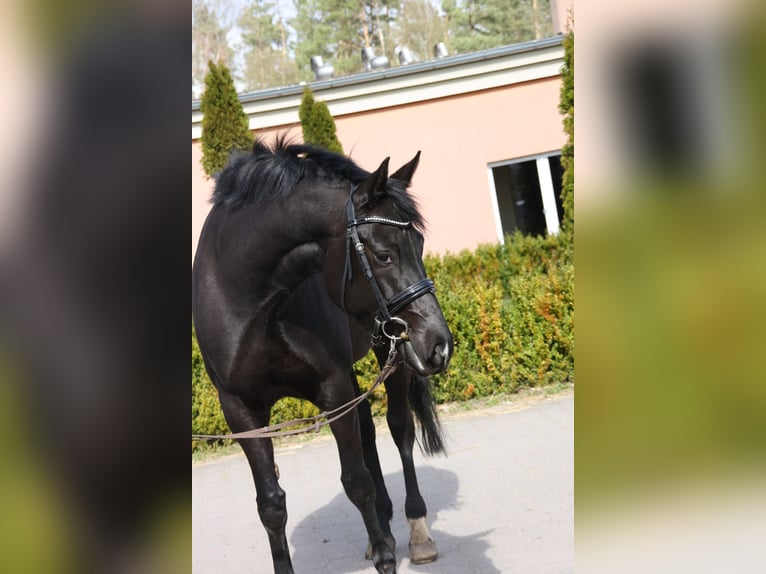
<point>347,266</point>
<point>347,271</point>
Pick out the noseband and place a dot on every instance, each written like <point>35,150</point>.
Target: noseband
<point>387,308</point>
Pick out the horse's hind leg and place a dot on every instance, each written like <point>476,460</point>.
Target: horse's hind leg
<point>359,486</point>
<point>270,497</point>
<point>400,421</point>
<point>383,506</point>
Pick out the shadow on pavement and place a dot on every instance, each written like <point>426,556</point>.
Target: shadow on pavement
<point>333,538</point>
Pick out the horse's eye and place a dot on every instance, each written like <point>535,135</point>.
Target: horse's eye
<point>384,258</point>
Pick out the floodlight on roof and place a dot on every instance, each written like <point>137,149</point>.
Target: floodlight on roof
<point>440,50</point>
<point>404,54</point>
<point>371,61</point>
<point>321,70</point>
<point>367,54</point>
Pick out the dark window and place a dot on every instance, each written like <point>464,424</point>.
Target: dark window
<point>519,200</point>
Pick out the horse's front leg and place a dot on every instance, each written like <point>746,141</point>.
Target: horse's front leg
<point>383,505</point>
<point>358,483</point>
<point>270,497</point>
<point>400,421</point>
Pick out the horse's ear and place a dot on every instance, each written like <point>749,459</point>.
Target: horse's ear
<point>406,172</point>
<point>374,187</point>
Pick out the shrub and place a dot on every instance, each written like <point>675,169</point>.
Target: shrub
<point>540,320</point>
<point>225,127</point>
<point>511,311</point>
<point>566,107</point>
<point>317,123</point>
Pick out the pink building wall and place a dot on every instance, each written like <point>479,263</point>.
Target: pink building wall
<point>458,136</point>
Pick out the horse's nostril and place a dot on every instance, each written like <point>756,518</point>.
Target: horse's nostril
<point>440,356</point>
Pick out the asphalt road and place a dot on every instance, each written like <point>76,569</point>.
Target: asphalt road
<point>502,501</point>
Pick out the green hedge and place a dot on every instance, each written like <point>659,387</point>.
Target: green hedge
<point>511,311</point>
<point>510,308</point>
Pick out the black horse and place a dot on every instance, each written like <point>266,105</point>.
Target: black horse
<point>304,259</point>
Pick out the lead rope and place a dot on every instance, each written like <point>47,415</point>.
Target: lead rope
<point>313,424</point>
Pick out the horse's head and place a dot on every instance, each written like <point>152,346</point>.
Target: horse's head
<point>384,282</point>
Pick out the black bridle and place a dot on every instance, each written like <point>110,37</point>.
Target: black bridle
<point>387,308</point>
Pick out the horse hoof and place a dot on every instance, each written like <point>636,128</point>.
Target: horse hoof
<point>422,546</point>
<point>389,540</point>
<point>423,552</point>
<point>383,556</point>
<point>386,568</point>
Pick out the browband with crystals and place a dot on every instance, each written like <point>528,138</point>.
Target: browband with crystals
<point>376,219</point>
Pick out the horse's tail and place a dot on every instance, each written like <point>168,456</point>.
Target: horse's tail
<point>422,402</point>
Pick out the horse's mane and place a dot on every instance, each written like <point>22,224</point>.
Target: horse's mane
<point>271,173</point>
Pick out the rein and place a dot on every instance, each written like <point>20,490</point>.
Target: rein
<point>313,424</point>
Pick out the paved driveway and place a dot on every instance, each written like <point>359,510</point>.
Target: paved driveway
<point>501,502</point>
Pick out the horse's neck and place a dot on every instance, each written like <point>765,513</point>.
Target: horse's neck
<point>280,245</point>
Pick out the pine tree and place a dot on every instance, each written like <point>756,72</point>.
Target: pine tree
<point>265,37</point>
<point>209,41</point>
<point>224,123</point>
<point>566,107</point>
<point>317,123</point>
<point>419,28</point>
<point>475,25</point>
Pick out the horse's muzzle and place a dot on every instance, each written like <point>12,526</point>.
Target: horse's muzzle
<point>435,363</point>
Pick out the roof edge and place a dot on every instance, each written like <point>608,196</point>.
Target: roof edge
<point>404,70</point>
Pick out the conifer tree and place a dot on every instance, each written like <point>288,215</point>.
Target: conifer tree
<point>566,107</point>
<point>481,24</point>
<point>224,122</point>
<point>317,123</point>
